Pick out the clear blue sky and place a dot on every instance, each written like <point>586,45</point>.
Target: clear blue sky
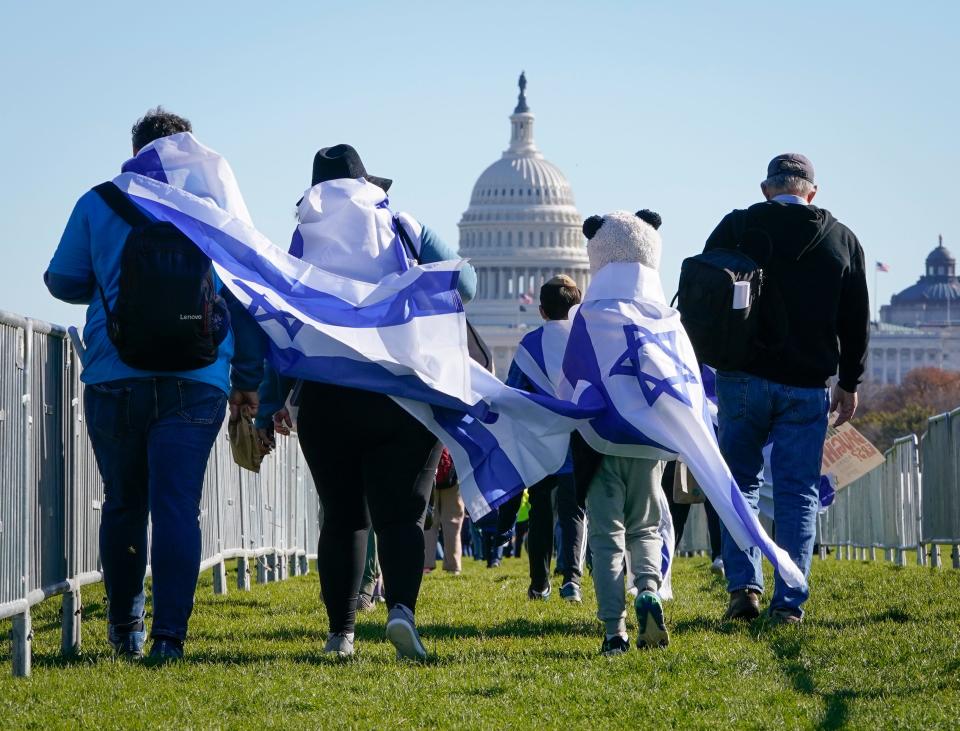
<point>671,106</point>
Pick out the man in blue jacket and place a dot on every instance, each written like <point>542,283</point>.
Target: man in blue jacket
<point>151,430</point>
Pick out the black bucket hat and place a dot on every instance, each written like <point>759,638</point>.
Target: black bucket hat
<point>342,161</point>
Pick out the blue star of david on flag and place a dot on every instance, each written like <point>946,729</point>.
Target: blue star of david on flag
<point>652,386</point>
<point>258,302</point>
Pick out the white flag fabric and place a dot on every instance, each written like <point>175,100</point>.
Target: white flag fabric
<point>375,321</point>
<point>629,345</point>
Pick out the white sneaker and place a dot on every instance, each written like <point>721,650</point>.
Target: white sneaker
<point>717,566</point>
<point>402,632</point>
<point>340,644</point>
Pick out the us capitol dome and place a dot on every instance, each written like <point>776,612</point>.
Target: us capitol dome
<point>521,229</point>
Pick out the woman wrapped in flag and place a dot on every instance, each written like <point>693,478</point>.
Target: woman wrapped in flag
<point>372,462</point>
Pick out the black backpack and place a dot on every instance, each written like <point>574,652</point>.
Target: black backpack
<point>723,337</point>
<point>168,315</point>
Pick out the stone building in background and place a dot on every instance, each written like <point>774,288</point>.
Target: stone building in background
<point>921,325</point>
<point>522,227</point>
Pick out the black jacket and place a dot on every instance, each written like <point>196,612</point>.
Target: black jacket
<point>815,290</point>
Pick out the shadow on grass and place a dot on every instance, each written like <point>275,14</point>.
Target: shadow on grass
<point>373,630</point>
<point>787,644</point>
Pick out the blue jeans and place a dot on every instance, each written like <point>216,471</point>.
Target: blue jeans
<point>753,411</point>
<point>152,438</point>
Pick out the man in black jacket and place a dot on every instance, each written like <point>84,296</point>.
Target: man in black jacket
<point>815,301</point>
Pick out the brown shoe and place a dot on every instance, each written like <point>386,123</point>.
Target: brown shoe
<point>744,604</point>
<point>784,616</point>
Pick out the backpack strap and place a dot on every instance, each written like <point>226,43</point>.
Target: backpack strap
<point>121,204</point>
<point>405,238</point>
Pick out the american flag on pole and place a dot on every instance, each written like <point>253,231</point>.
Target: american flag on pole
<point>881,267</point>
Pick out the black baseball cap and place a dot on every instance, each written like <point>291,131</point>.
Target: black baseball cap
<point>791,163</point>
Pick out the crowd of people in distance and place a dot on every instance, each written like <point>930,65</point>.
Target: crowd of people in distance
<point>171,345</point>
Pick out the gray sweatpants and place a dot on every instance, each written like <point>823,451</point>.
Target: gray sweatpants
<point>623,515</point>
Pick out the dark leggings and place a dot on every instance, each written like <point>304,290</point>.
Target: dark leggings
<point>370,461</point>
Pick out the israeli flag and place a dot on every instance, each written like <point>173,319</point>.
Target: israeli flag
<point>630,346</point>
<point>347,305</point>
<point>540,356</point>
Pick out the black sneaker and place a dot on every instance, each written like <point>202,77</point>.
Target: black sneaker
<point>615,645</point>
<point>165,650</point>
<point>539,596</point>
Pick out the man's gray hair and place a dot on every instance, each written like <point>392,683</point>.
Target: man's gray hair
<point>787,185</point>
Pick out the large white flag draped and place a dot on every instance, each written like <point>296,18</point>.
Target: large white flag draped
<point>354,311</point>
<point>632,386</point>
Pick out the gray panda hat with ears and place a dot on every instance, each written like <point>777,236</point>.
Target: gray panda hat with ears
<point>623,237</point>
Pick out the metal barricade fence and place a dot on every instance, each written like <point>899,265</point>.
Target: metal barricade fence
<point>940,461</point>
<point>51,494</point>
<point>911,502</point>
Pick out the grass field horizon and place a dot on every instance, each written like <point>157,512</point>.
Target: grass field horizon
<point>880,649</point>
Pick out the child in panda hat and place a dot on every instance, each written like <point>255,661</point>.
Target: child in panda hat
<point>624,499</point>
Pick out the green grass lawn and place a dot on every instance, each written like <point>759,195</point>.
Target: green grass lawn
<point>880,649</point>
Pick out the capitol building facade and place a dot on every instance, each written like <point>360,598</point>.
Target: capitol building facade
<point>521,228</point>
<point>921,325</point>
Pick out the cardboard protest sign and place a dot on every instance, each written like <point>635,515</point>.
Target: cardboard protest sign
<point>848,455</point>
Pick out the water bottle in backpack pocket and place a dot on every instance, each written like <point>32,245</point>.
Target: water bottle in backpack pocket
<point>167,315</point>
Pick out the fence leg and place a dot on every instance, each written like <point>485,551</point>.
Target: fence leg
<point>293,565</point>
<point>956,557</point>
<point>935,556</point>
<point>921,555</point>
<point>220,578</point>
<point>873,553</point>
<point>243,574</point>
<point>890,555</point>
<point>823,552</point>
<point>271,567</point>
<point>262,577</point>
<point>304,564</point>
<point>22,639</point>
<point>71,609</point>
<point>901,557</point>
<point>836,552</point>
<point>280,561</point>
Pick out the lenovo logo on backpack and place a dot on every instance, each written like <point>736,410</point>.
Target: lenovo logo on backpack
<point>168,315</point>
